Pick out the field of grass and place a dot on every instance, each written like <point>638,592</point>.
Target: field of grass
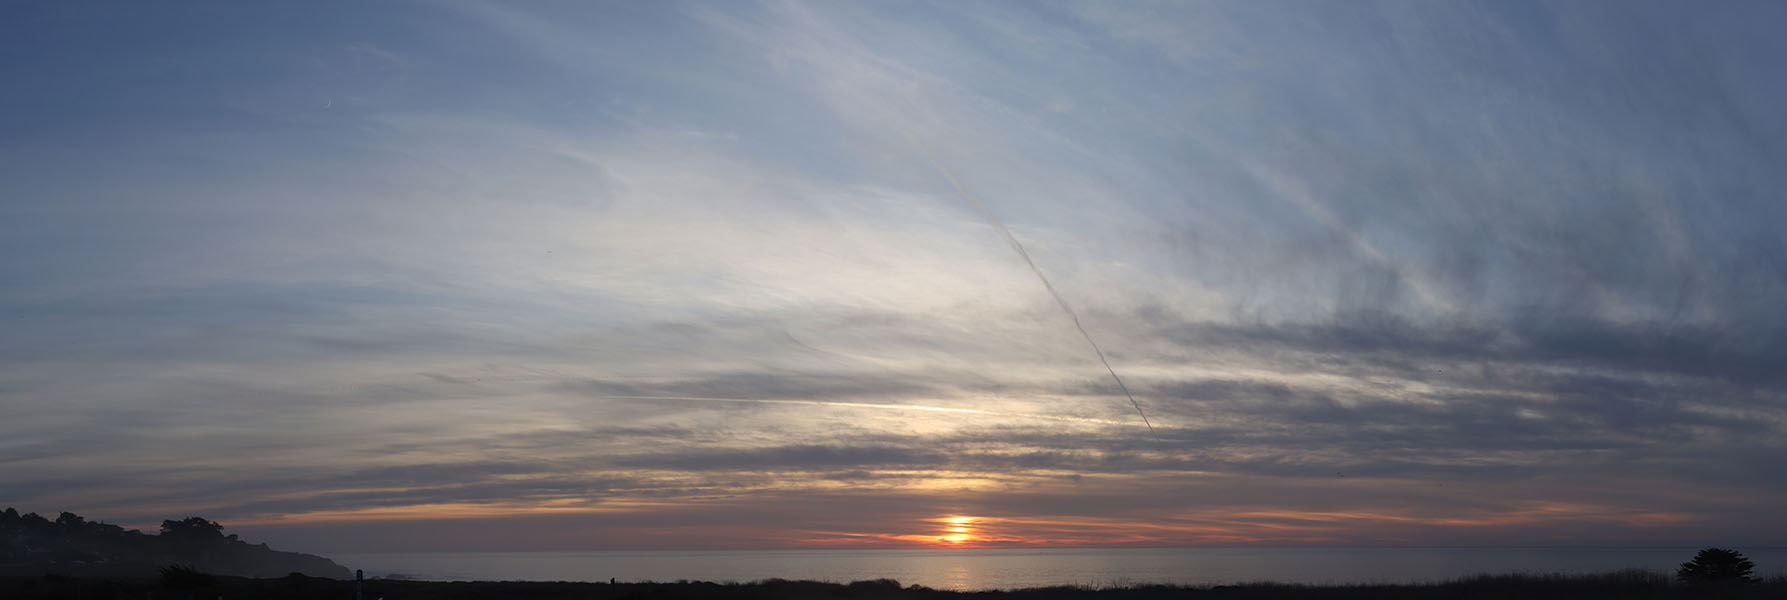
<point>1621,584</point>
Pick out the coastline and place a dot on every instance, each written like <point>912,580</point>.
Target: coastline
<point>992,569</point>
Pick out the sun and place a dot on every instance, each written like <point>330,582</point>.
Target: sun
<point>957,530</point>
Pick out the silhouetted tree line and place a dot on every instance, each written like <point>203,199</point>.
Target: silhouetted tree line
<point>71,544</point>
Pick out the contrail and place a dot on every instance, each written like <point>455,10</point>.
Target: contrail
<point>910,407</point>
<point>1013,241</point>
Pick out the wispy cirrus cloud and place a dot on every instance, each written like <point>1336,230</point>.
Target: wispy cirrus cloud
<point>569,276</point>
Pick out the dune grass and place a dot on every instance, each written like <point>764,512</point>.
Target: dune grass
<point>1627,584</point>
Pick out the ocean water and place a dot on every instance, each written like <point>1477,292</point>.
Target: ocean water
<point>1010,569</point>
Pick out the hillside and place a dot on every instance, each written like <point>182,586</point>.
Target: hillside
<point>71,545</point>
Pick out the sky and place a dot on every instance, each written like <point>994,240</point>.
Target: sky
<point>465,275</point>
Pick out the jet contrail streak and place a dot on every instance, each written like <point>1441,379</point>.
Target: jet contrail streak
<point>914,407</point>
<point>1013,241</point>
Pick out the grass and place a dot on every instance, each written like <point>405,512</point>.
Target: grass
<point>1628,584</point>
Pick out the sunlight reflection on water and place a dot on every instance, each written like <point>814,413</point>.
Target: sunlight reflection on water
<point>958,577</point>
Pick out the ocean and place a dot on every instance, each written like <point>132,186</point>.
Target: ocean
<point>1009,569</point>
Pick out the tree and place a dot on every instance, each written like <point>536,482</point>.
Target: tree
<point>191,528</point>
<point>1717,565</point>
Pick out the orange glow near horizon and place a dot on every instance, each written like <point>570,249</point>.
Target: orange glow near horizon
<point>444,511</point>
<point>951,530</point>
<point>959,531</point>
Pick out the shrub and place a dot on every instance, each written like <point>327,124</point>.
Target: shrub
<point>875,584</point>
<point>1717,565</point>
<point>182,577</point>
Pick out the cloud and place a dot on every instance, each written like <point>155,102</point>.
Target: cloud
<point>1392,274</point>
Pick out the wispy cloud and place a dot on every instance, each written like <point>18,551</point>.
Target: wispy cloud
<point>581,276</point>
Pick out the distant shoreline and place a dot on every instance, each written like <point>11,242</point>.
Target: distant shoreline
<point>1032,568</point>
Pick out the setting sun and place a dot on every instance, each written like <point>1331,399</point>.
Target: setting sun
<point>958,530</point>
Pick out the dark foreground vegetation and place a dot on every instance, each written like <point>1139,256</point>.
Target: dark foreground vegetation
<point>1623,585</point>
<point>75,559</point>
<point>70,545</point>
